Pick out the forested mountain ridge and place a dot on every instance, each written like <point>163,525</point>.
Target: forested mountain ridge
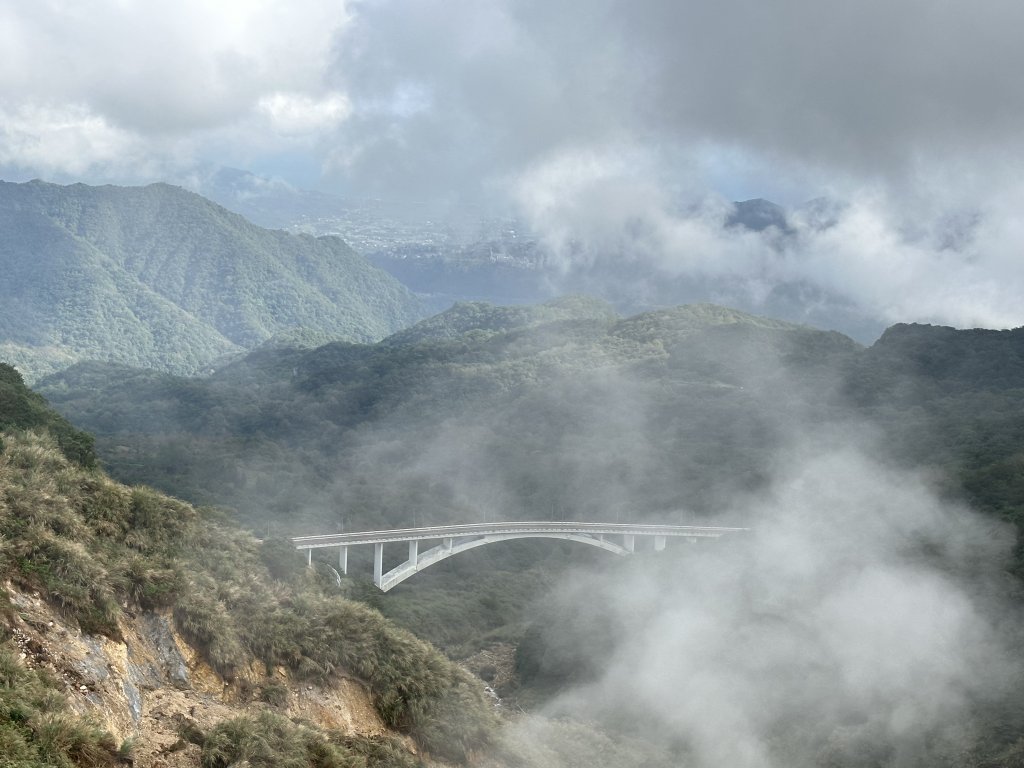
<point>504,401</point>
<point>562,409</point>
<point>482,319</point>
<point>695,413</point>
<point>160,277</point>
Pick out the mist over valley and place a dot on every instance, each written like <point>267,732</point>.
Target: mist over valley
<point>883,534</point>
<point>705,319</point>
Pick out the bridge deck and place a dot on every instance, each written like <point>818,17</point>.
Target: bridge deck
<point>482,529</point>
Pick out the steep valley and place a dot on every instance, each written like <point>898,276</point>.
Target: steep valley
<point>561,411</point>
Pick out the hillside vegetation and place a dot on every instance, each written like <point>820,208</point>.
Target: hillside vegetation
<point>162,278</point>
<point>95,548</point>
<point>562,411</point>
<point>559,410</point>
<point>568,412</point>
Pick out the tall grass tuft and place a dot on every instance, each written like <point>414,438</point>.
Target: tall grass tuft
<point>37,730</point>
<point>271,741</point>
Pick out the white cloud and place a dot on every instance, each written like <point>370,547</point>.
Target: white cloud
<point>293,114</point>
<point>172,76</point>
<point>601,120</point>
<point>69,138</point>
<point>851,611</point>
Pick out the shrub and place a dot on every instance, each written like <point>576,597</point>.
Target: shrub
<point>274,694</point>
<point>271,741</point>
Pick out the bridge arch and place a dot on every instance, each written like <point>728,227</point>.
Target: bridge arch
<point>419,561</point>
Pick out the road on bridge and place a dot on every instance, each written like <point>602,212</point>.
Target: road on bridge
<point>459,538</point>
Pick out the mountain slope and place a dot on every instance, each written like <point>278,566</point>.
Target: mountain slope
<point>559,409</point>
<point>140,607</point>
<point>483,319</point>
<point>555,410</point>
<point>160,277</point>
<point>670,416</point>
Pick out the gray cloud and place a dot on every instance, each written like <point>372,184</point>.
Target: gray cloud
<point>94,89</point>
<point>607,123</point>
<point>450,93</point>
<point>877,88</point>
<point>602,123</point>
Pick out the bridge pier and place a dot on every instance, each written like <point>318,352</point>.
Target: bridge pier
<point>343,559</point>
<point>414,547</point>
<point>378,563</point>
<point>628,542</point>
<point>309,558</point>
<point>659,543</point>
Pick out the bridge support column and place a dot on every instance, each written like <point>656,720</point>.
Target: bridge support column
<point>343,559</point>
<point>448,542</point>
<point>627,542</point>
<point>414,548</point>
<point>309,558</point>
<point>378,563</point>
<point>659,543</point>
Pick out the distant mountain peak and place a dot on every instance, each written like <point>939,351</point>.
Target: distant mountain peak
<point>163,277</point>
<point>758,215</point>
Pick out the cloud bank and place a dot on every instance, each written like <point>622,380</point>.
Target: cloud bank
<point>853,626</point>
<point>602,123</point>
<point>93,89</point>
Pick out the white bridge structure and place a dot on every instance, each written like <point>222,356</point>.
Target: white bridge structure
<point>617,538</point>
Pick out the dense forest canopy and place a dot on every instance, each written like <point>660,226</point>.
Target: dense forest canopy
<point>558,411</point>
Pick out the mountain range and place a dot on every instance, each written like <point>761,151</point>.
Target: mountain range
<point>160,277</point>
<point>569,411</point>
<point>563,409</point>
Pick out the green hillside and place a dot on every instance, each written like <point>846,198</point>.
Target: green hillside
<point>480,319</point>
<point>561,409</point>
<point>670,415</point>
<point>22,409</point>
<point>565,412</point>
<point>101,553</point>
<point>162,278</point>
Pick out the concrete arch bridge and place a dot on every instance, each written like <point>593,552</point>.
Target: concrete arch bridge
<point>617,538</point>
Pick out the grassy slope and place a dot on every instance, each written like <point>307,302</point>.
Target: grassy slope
<point>89,544</point>
<point>37,729</point>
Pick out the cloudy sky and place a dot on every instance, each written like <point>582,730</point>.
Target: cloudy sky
<point>592,119</point>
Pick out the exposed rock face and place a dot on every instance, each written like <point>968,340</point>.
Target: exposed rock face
<point>150,684</point>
